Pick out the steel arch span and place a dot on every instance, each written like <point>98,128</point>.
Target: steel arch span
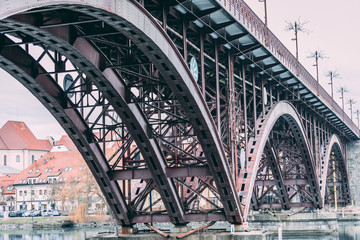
<point>261,144</point>
<point>333,173</point>
<point>160,141</point>
<point>89,60</point>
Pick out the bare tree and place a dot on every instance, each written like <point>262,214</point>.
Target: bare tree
<point>332,75</point>
<point>342,90</point>
<point>297,26</point>
<point>52,193</point>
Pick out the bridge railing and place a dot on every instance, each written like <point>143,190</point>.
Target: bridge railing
<point>252,22</point>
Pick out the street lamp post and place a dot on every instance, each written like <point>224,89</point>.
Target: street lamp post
<point>357,117</point>
<point>342,90</point>
<point>351,102</point>
<point>317,55</point>
<point>332,75</point>
<point>296,26</point>
<point>265,9</point>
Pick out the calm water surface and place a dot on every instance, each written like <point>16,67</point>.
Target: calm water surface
<point>348,231</point>
<point>57,234</point>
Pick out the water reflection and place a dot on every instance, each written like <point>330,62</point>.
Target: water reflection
<point>58,234</point>
<point>347,231</point>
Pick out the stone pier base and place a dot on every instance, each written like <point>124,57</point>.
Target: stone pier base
<point>353,167</point>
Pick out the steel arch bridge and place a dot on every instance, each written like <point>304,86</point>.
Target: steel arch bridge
<point>253,130</point>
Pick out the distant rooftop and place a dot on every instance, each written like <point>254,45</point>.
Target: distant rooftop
<point>67,142</point>
<point>15,135</point>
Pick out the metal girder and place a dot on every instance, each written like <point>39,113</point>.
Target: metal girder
<point>276,171</point>
<point>285,182</point>
<point>169,116</point>
<point>193,217</point>
<point>265,124</point>
<point>113,88</point>
<point>21,66</point>
<point>174,71</point>
<point>214,150</point>
<point>170,173</point>
<point>333,146</point>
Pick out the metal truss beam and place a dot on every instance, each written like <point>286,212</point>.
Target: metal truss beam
<point>265,124</point>
<point>171,172</point>
<point>137,125</point>
<point>20,65</point>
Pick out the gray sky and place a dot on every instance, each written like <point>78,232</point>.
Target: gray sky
<point>334,30</point>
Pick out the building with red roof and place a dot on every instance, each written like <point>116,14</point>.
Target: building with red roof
<point>64,144</point>
<point>19,148</point>
<point>48,183</point>
<point>7,193</point>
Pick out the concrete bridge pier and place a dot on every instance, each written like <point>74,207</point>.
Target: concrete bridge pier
<point>353,165</point>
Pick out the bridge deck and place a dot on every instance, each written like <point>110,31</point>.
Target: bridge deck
<point>239,28</point>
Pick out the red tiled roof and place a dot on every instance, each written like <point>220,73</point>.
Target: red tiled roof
<point>67,142</point>
<point>45,144</point>
<point>7,181</point>
<point>16,135</point>
<point>57,162</point>
<point>2,144</point>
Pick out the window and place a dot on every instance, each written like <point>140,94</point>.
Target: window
<point>21,181</point>
<point>17,158</point>
<point>40,192</point>
<point>38,170</point>
<point>68,169</point>
<point>30,171</point>
<point>48,170</point>
<point>32,192</point>
<point>25,193</point>
<point>29,181</point>
<point>5,160</point>
<point>45,192</point>
<point>62,179</point>
<point>20,193</point>
<point>32,159</point>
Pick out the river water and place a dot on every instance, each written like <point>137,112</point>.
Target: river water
<point>347,231</point>
<point>56,234</point>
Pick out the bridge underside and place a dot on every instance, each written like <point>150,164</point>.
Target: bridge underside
<point>163,145</point>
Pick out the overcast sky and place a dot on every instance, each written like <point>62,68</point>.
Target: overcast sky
<point>334,29</point>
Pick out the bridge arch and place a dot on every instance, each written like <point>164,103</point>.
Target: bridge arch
<point>258,145</point>
<point>130,19</point>
<point>333,152</point>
